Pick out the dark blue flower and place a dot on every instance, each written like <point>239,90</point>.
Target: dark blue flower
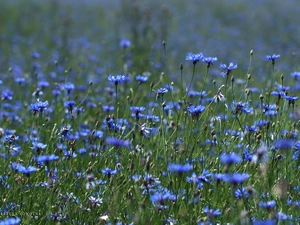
<point>267,205</point>
<point>195,111</point>
<point>241,193</point>
<point>47,158</point>
<point>284,144</point>
<point>209,60</point>
<point>117,142</point>
<point>179,168</point>
<point>228,69</point>
<point>10,221</point>
<point>296,75</point>
<point>69,105</point>
<point>38,146</point>
<point>194,58</point>
<point>272,58</point>
<point>68,87</point>
<point>141,79</point>
<point>265,222</point>
<point>124,43</point>
<point>211,212</point>
<point>230,158</point>
<point>109,171</point>
<point>116,79</point>
<point>38,107</point>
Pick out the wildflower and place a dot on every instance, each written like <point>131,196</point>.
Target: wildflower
<point>211,212</point>
<point>25,170</point>
<point>195,111</point>
<point>125,43</point>
<point>38,147</point>
<point>137,110</point>
<point>179,168</point>
<point>43,84</point>
<point>240,107</point>
<point>69,105</point>
<point>10,221</point>
<point>194,57</point>
<point>35,55</point>
<point>241,193</point>
<point>296,75</point>
<point>235,179</point>
<point>68,87</point>
<point>161,92</point>
<point>141,79</point>
<point>228,69</point>
<point>272,58</point>
<point>209,60</point>
<point>38,106</point>
<point>267,205</point>
<point>117,142</point>
<point>219,97</point>
<point>265,222</point>
<point>47,158</point>
<point>284,144</point>
<point>109,172</point>
<point>231,158</point>
<point>116,79</point>
<point>95,201</point>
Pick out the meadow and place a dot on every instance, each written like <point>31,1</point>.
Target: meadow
<point>139,112</point>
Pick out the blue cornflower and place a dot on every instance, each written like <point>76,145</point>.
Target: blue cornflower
<point>47,158</point>
<point>161,92</point>
<point>267,205</point>
<point>240,107</point>
<point>265,222</point>
<point>296,75</point>
<point>209,60</point>
<point>137,110</point>
<point>284,144</point>
<point>10,221</point>
<point>194,57</point>
<point>241,193</point>
<point>195,111</point>
<point>38,146</point>
<point>270,110</point>
<point>211,212</point>
<point>116,79</point>
<point>235,179</point>
<point>117,142</point>
<point>291,99</point>
<point>35,55</point>
<point>179,168</point>
<point>272,58</point>
<point>38,106</point>
<point>109,172</point>
<point>43,84</point>
<point>141,78</point>
<point>68,87</point>
<point>7,95</point>
<point>228,69</point>
<point>124,43</point>
<point>25,170</point>
<point>230,158</point>
<point>69,105</point>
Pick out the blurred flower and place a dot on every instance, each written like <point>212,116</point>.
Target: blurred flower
<point>95,201</point>
<point>116,79</point>
<point>141,79</point>
<point>211,212</point>
<point>179,168</point>
<point>267,205</point>
<point>10,221</point>
<point>47,158</point>
<point>109,172</point>
<point>69,105</point>
<point>195,111</point>
<point>125,43</point>
<point>230,158</point>
<point>117,142</point>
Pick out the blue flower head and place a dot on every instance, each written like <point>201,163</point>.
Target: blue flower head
<point>209,60</point>
<point>179,168</point>
<point>116,79</point>
<point>194,58</point>
<point>272,58</point>
<point>228,69</point>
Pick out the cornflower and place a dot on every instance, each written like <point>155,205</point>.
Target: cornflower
<point>209,60</point>
<point>116,79</point>
<point>272,58</point>
<point>38,107</point>
<point>228,69</point>
<point>179,168</point>
<point>194,58</point>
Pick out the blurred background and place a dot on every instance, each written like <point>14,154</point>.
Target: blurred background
<point>88,33</point>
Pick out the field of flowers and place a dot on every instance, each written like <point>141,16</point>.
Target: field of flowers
<point>147,112</point>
